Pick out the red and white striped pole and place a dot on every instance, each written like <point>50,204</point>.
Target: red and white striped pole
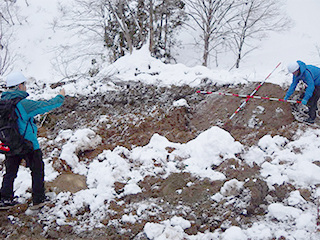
<point>254,91</point>
<point>249,96</point>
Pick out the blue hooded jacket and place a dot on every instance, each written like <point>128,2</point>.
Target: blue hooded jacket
<point>310,75</point>
<point>28,110</point>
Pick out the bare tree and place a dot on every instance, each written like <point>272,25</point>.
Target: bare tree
<point>7,57</point>
<point>317,50</point>
<point>8,17</point>
<point>106,22</point>
<point>83,18</point>
<point>151,26</point>
<point>211,17</point>
<point>256,19</point>
<point>85,21</point>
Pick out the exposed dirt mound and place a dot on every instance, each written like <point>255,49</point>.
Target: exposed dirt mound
<point>256,119</point>
<point>130,117</point>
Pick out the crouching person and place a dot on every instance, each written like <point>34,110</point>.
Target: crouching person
<point>28,109</point>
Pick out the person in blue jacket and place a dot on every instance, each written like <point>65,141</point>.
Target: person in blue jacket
<point>16,84</point>
<point>310,75</point>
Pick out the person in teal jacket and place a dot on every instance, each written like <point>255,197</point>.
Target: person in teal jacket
<point>310,75</point>
<point>16,84</point>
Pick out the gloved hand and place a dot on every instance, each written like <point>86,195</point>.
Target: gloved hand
<point>285,98</point>
<point>304,102</point>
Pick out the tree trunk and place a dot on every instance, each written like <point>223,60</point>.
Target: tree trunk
<point>151,31</point>
<point>206,50</point>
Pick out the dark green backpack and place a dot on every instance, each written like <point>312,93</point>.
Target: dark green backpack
<point>12,142</point>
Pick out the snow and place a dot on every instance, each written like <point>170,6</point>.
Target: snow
<point>234,233</point>
<point>169,229</point>
<point>231,188</point>
<point>281,212</point>
<point>80,141</point>
<point>211,147</point>
<point>181,103</point>
<point>295,198</point>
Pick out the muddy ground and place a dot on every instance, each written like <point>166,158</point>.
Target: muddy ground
<point>131,117</point>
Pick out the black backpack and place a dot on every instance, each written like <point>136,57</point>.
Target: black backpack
<point>12,142</point>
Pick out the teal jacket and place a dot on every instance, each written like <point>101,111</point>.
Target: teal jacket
<point>28,110</point>
<point>310,75</point>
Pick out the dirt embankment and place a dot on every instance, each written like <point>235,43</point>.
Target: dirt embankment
<point>134,114</point>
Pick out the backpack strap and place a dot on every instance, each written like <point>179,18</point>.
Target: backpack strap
<point>18,99</point>
<point>25,130</point>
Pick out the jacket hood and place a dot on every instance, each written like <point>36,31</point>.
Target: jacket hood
<point>10,94</point>
<point>303,67</point>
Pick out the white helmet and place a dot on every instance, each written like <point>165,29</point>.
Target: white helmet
<point>292,67</point>
<point>15,78</point>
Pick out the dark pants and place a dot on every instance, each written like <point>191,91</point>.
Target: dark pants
<point>36,165</point>
<point>313,102</point>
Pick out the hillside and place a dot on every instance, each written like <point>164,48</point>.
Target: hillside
<point>174,202</point>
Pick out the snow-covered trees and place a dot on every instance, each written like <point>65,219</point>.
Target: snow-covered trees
<point>167,18</point>
<point>131,24</point>
<point>122,25</point>
<point>134,23</point>
<point>126,27</point>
